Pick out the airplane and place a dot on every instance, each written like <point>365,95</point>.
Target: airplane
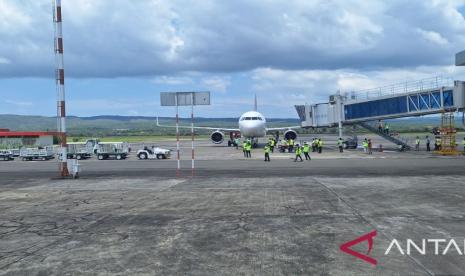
<point>252,125</point>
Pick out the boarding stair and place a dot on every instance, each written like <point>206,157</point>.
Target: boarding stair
<point>396,139</point>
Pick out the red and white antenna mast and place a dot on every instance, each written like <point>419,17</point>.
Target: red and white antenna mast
<point>60,86</point>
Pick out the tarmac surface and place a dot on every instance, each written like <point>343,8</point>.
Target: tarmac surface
<point>236,216</point>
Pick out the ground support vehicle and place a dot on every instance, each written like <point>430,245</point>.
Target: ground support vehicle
<point>112,150</point>
<point>351,143</point>
<point>80,150</point>
<point>6,155</point>
<point>40,153</point>
<point>153,153</point>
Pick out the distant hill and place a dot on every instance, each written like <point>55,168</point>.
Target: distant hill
<point>117,125</point>
<point>110,125</point>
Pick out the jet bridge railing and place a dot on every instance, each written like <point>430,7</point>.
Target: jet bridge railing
<point>427,84</point>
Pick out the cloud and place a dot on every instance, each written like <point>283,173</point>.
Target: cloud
<point>217,84</point>
<point>313,86</point>
<point>4,60</point>
<point>18,103</point>
<point>167,38</point>
<point>433,37</point>
<point>170,80</point>
<point>126,106</point>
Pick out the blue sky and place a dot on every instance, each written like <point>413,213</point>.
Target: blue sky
<point>120,54</point>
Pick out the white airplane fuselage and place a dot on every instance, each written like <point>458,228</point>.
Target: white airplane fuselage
<point>252,124</point>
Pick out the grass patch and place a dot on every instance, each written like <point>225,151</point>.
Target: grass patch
<point>136,139</point>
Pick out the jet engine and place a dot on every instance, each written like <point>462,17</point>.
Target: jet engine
<point>217,137</point>
<point>290,134</point>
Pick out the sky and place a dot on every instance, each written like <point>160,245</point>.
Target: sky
<point>119,55</point>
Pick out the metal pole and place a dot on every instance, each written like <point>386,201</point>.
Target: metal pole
<point>192,133</point>
<point>60,82</point>
<point>339,113</point>
<point>177,138</point>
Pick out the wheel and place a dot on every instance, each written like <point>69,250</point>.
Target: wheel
<point>78,157</point>
<point>229,143</point>
<point>164,156</point>
<point>159,156</point>
<point>119,157</point>
<point>142,155</point>
<point>100,157</point>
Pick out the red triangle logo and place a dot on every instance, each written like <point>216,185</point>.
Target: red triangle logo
<point>346,247</point>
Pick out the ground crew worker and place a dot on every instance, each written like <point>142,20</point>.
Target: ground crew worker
<point>428,142</point>
<point>340,143</point>
<point>463,144</point>
<point>272,144</point>
<point>439,143</point>
<point>386,128</point>
<point>244,148</point>
<point>365,145</point>
<point>237,141</point>
<point>306,151</point>
<point>284,145</point>
<point>370,147</point>
<point>248,149</point>
<point>320,145</point>
<point>267,150</point>
<point>314,145</point>
<point>417,144</point>
<point>298,153</point>
<point>291,145</point>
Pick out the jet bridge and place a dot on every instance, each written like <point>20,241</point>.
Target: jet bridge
<point>428,96</point>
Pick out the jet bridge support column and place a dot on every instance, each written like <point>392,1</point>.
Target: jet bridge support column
<point>339,113</point>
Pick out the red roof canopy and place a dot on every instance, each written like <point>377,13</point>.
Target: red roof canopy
<point>27,133</point>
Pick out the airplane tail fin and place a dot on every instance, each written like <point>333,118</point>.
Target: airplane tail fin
<point>255,103</point>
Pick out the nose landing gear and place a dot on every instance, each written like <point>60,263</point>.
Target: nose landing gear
<point>254,142</point>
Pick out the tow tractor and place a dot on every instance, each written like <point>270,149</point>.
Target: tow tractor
<point>153,153</point>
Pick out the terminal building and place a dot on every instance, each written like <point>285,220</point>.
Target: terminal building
<point>16,139</point>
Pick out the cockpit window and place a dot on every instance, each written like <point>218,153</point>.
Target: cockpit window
<point>252,118</point>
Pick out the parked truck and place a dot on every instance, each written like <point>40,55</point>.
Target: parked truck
<point>112,150</point>
<point>40,153</point>
<point>6,155</point>
<point>80,150</point>
<point>14,152</point>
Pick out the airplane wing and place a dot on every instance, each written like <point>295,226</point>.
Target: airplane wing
<point>282,128</point>
<point>206,128</point>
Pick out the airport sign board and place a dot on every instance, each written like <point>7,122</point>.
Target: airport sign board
<point>184,98</point>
